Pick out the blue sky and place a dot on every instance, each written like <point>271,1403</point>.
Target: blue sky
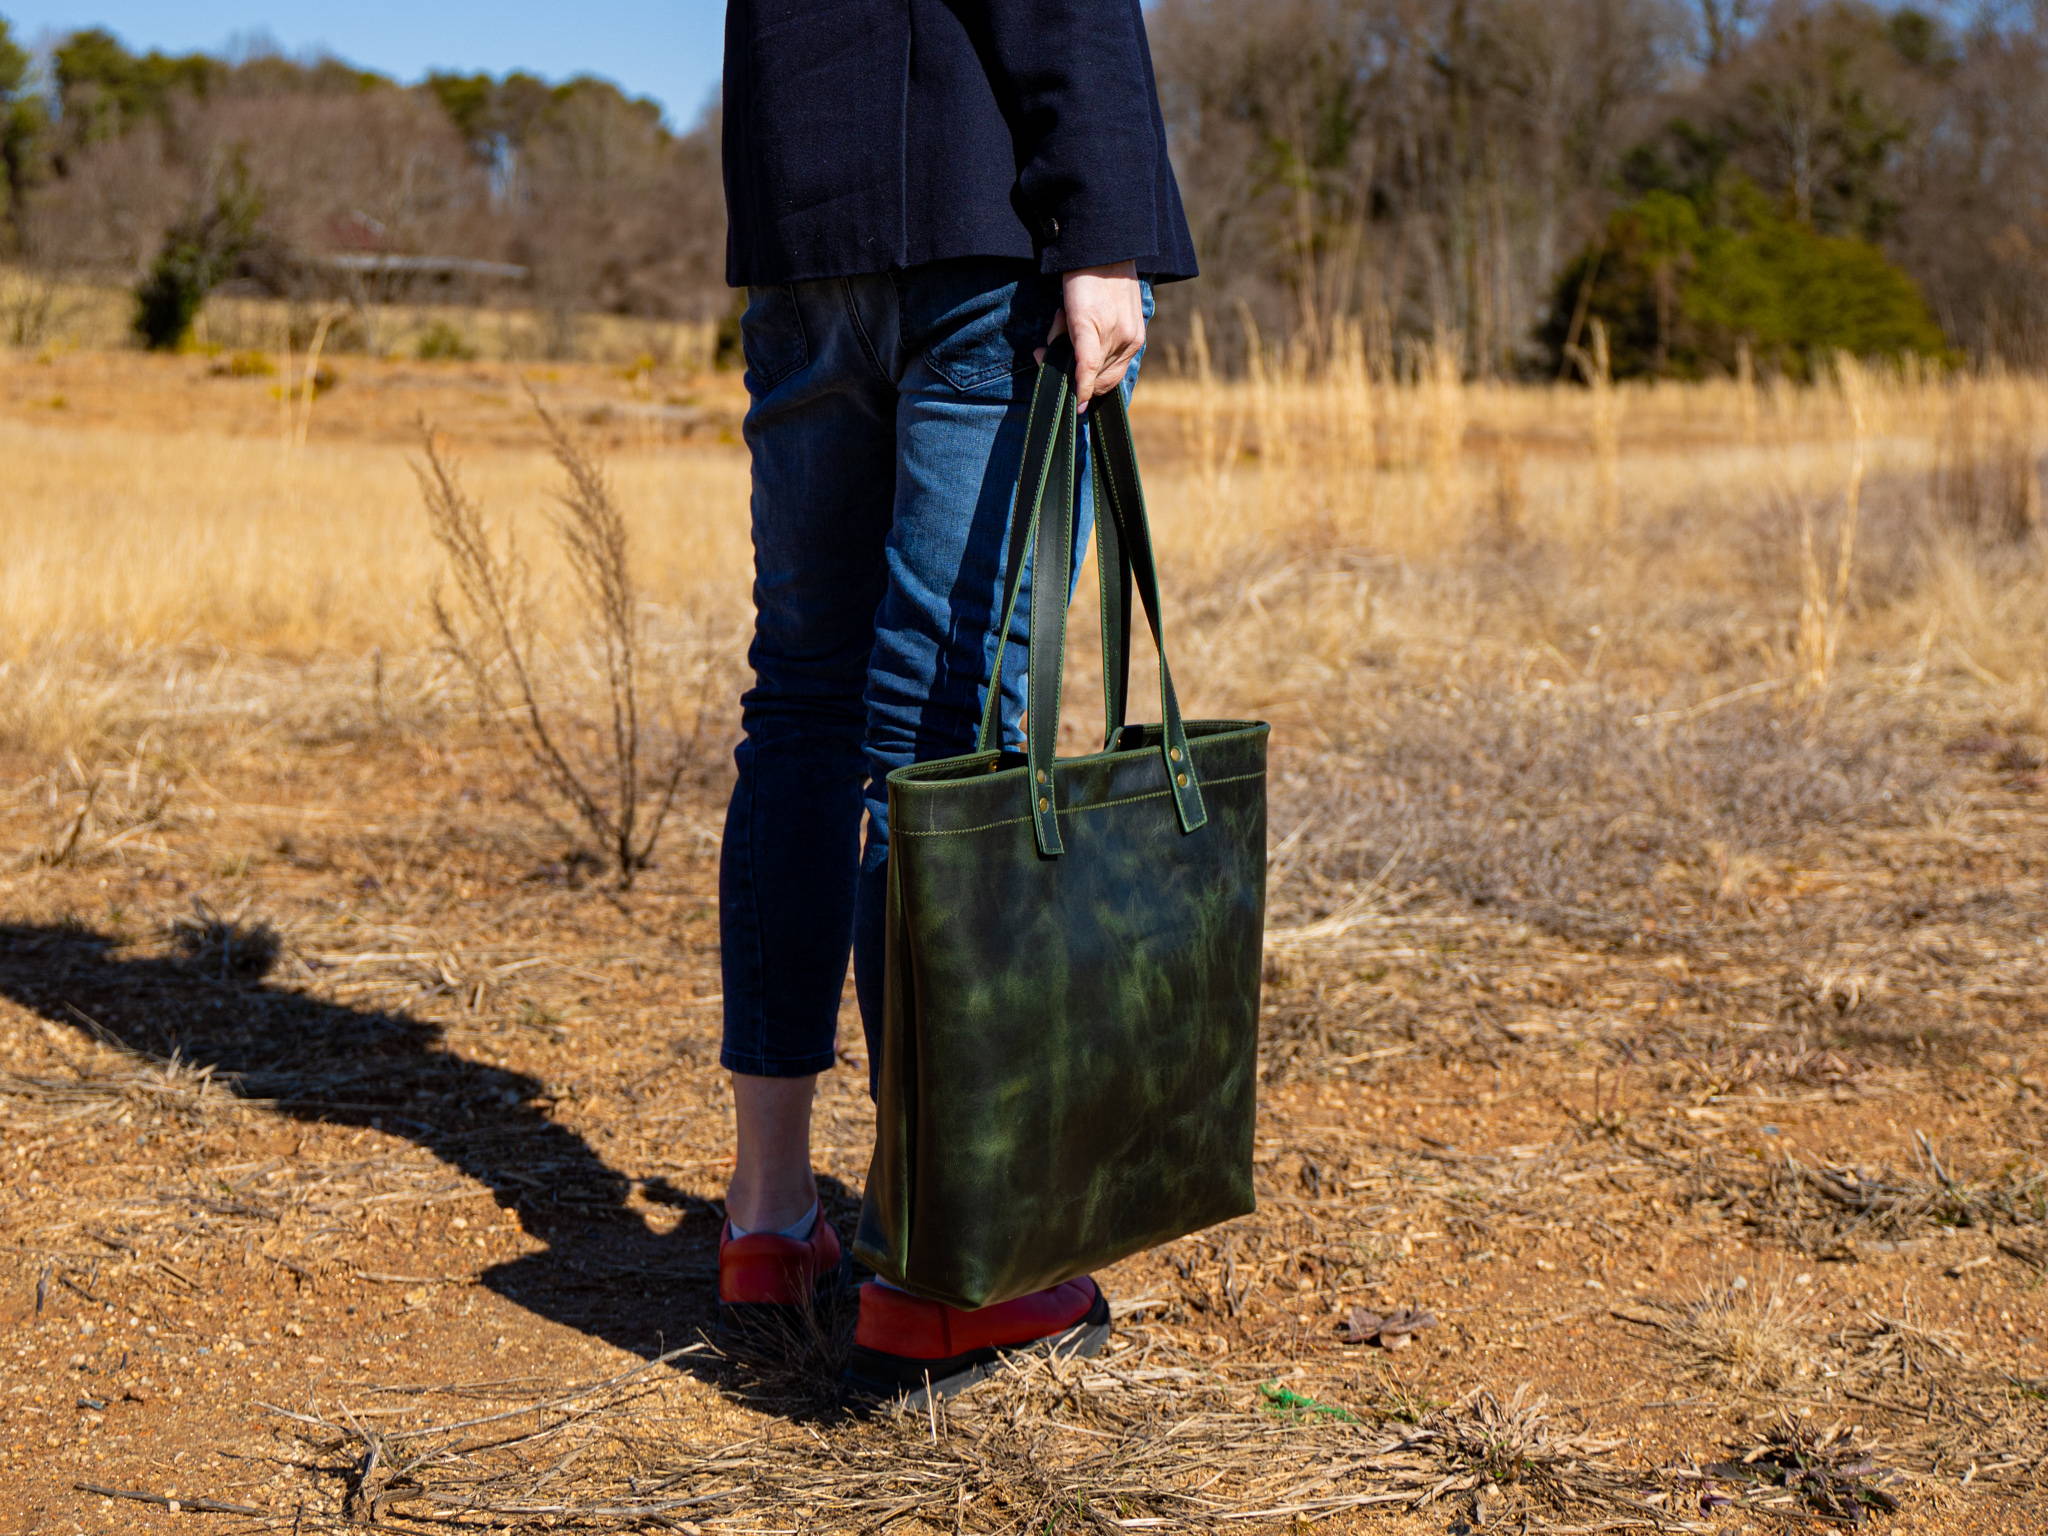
<point>667,49</point>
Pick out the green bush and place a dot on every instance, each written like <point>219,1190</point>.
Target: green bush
<point>1682,290</point>
<point>442,342</point>
<point>200,251</point>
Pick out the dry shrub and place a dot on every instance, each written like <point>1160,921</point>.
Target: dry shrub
<point>126,1088</point>
<point>36,305</point>
<point>1794,1468</point>
<point>225,948</point>
<point>1987,481</point>
<point>617,782</point>
<point>1582,812</point>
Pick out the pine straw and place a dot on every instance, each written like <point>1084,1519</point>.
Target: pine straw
<point>1924,1404</point>
<point>170,1086</point>
<point>1828,1213</point>
<point>1147,1439</point>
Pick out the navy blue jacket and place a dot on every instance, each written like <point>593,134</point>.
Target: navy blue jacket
<point>865,135</point>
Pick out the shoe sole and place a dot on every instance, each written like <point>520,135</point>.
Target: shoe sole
<point>878,1379</point>
<point>739,1321</point>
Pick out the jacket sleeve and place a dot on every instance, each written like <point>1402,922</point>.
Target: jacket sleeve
<point>1075,77</point>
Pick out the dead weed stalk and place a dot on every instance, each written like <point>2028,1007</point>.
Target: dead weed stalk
<point>494,630</point>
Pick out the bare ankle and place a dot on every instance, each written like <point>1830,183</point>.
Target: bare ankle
<point>770,1210</point>
<point>772,1184</point>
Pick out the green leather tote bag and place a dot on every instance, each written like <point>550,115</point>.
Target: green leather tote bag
<point>1070,1027</point>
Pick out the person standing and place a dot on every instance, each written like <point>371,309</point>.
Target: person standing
<point>922,194</point>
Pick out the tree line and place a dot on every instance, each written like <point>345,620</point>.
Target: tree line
<point>1703,176</point>
<point>1716,183</point>
<point>177,172</point>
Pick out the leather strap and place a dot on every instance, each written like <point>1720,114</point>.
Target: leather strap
<point>1052,561</point>
<point>1046,395</point>
<point>1113,568</point>
<point>1115,455</point>
<point>1043,521</point>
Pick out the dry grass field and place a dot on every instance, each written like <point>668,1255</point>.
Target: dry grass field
<point>1655,984</point>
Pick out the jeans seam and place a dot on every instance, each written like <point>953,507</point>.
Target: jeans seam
<point>756,1023</point>
<point>758,1064</point>
<point>860,329</point>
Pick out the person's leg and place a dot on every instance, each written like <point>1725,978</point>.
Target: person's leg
<point>821,432</point>
<point>773,1188</point>
<point>966,376</point>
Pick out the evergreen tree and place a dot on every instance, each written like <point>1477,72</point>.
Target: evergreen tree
<point>1683,288</point>
<point>199,253</point>
<point>22,125</point>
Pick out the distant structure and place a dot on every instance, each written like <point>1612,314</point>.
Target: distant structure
<point>363,264</point>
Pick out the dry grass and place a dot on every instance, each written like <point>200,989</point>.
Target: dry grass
<point>1147,1439</point>
<point>1750,1337</point>
<point>1657,827</point>
<point>1831,1212</point>
<point>39,311</point>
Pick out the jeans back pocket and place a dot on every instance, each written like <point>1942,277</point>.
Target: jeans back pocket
<point>772,336</point>
<point>976,322</point>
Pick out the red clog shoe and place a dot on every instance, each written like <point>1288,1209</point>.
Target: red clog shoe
<point>905,1346</point>
<point>765,1276</point>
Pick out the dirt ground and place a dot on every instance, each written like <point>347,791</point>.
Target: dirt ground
<point>364,1149</point>
<point>331,1090</point>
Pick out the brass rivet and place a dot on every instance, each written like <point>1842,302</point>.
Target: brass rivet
<point>1042,775</point>
<point>1044,804</point>
<point>1174,753</point>
<point>1181,779</point>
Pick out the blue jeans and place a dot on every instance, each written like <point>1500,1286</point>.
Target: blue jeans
<point>886,423</point>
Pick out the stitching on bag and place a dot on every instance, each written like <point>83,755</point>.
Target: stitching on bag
<point>1194,780</point>
<point>1063,810</point>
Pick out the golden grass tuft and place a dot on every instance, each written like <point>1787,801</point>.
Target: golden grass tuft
<point>1753,1337</point>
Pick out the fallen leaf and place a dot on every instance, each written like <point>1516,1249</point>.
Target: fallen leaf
<point>1389,1330</point>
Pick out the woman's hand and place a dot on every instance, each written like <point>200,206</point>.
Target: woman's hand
<point>1104,312</point>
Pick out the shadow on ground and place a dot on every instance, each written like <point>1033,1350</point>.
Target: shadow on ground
<point>604,1271</point>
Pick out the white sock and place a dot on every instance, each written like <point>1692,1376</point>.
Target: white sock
<point>799,1230</point>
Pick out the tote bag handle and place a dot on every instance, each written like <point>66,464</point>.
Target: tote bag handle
<point>1043,520</point>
